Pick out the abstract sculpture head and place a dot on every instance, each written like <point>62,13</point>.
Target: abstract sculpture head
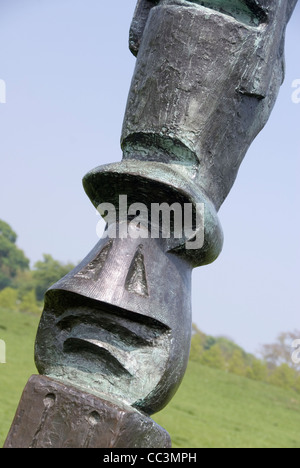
<point>120,324</point>
<point>206,79</point>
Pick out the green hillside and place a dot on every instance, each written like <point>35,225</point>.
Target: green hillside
<point>18,331</point>
<point>212,408</point>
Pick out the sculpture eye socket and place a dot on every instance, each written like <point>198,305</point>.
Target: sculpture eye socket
<point>249,12</point>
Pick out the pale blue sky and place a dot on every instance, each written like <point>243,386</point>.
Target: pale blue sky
<point>67,68</point>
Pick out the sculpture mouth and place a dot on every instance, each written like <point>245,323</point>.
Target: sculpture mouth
<point>101,348</point>
<point>248,12</point>
<point>106,342</point>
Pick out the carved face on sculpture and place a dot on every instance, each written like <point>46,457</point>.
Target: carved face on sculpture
<point>208,73</point>
<point>119,325</point>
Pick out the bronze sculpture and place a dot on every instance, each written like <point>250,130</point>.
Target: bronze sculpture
<point>118,327</point>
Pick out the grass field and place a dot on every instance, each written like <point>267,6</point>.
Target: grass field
<point>18,331</point>
<point>212,408</point>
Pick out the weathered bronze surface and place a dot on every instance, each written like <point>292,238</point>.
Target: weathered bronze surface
<point>126,340</point>
<point>206,79</point>
<point>207,76</point>
<point>53,415</point>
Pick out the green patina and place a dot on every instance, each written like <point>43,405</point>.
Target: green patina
<point>247,12</point>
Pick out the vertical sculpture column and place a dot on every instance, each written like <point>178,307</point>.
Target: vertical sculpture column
<point>114,339</point>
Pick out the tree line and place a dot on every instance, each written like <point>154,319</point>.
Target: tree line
<point>275,366</point>
<point>21,287</point>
